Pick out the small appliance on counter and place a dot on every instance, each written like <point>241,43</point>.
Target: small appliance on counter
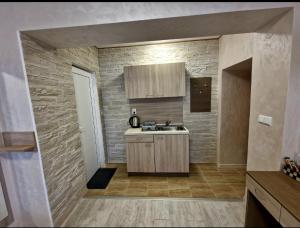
<point>149,126</point>
<point>134,121</point>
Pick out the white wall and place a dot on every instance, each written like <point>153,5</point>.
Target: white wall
<point>3,208</point>
<point>291,144</point>
<point>23,173</point>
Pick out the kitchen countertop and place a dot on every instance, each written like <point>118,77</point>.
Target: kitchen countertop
<point>138,131</point>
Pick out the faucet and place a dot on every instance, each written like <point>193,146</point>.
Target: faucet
<point>168,122</point>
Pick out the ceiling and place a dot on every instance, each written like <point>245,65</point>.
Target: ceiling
<point>128,33</point>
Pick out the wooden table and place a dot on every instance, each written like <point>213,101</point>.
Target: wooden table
<point>273,199</point>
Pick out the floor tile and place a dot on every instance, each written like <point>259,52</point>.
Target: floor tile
<point>158,193</point>
<point>115,193</point>
<point>180,193</point>
<point>136,185</point>
<point>157,185</point>
<point>205,193</point>
<point>199,186</point>
<point>204,181</point>
<point>157,179</point>
<point>117,186</point>
<point>211,173</point>
<point>94,192</point>
<point>227,195</point>
<point>196,179</point>
<point>174,186</point>
<point>136,192</point>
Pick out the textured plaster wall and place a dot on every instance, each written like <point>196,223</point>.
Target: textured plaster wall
<point>52,92</point>
<point>235,99</point>
<point>201,58</point>
<point>270,71</point>
<point>233,49</point>
<point>291,145</point>
<point>271,54</point>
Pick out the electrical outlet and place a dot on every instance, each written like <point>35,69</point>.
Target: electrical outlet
<point>133,111</point>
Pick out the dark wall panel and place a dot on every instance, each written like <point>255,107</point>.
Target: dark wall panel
<point>200,94</point>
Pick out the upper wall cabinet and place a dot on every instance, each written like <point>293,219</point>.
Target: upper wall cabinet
<point>157,80</point>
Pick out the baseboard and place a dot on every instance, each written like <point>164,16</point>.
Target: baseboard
<point>231,165</point>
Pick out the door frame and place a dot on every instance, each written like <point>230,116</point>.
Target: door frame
<point>96,110</point>
<point>9,218</point>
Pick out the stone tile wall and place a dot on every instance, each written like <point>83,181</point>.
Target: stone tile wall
<point>53,99</point>
<point>201,58</point>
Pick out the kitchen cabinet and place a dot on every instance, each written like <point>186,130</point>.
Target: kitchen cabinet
<point>140,153</point>
<point>154,81</point>
<point>158,153</point>
<point>171,153</point>
<point>140,157</point>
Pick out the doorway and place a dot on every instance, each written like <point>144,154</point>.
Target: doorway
<point>87,106</point>
<point>235,113</point>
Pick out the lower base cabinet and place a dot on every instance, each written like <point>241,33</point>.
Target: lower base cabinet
<point>158,154</point>
<point>140,157</point>
<point>171,153</point>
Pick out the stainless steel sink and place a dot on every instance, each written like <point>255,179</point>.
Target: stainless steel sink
<point>169,128</point>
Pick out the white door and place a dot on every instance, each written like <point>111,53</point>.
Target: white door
<point>84,104</point>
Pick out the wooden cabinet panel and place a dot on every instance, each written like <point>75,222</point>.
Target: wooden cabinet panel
<point>140,157</point>
<point>170,79</point>
<point>139,138</point>
<point>272,205</point>
<point>156,80</point>
<point>171,153</point>
<point>288,220</point>
<point>137,81</point>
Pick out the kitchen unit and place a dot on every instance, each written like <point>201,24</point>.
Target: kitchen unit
<point>155,80</point>
<point>160,151</point>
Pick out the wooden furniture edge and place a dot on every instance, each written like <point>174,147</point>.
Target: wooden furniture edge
<point>18,142</point>
<point>276,198</point>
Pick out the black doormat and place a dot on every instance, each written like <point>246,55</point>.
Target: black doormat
<point>101,178</point>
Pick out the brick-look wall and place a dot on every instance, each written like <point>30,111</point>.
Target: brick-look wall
<point>53,99</point>
<point>201,58</point>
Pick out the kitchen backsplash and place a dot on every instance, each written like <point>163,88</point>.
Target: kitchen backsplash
<point>201,58</point>
<point>159,109</point>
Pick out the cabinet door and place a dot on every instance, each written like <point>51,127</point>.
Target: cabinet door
<point>157,80</point>
<point>171,153</point>
<point>170,79</point>
<point>137,81</point>
<point>140,157</point>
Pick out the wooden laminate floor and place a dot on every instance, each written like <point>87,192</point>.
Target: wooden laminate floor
<point>204,181</point>
<point>167,212</point>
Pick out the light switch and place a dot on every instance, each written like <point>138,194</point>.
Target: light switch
<point>133,111</point>
<point>267,120</point>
